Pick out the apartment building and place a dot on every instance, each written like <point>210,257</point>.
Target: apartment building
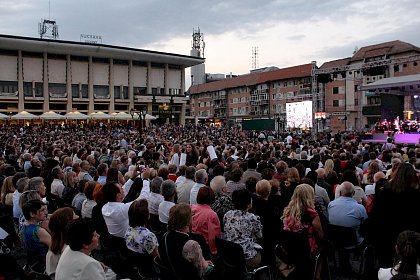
<point>258,95</point>
<point>356,91</point>
<point>41,75</point>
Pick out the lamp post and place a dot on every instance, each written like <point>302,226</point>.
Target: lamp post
<point>277,116</point>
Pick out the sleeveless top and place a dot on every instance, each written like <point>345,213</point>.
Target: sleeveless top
<point>30,241</point>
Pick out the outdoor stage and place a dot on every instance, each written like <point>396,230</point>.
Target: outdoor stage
<point>404,138</point>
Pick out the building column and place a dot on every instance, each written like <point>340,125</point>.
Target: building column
<point>149,82</point>
<point>111,108</point>
<point>46,106</point>
<point>21,98</point>
<point>149,109</point>
<point>91,107</point>
<point>130,84</point>
<point>182,114</point>
<point>166,79</point>
<point>182,81</point>
<point>68,85</point>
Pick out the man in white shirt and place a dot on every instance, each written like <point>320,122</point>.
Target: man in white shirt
<point>115,212</point>
<point>57,185</point>
<point>168,193</point>
<point>201,178</point>
<point>102,171</point>
<point>184,189</point>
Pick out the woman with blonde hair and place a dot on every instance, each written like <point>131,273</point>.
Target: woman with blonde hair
<point>372,169</point>
<point>70,183</point>
<point>300,215</point>
<point>175,155</point>
<point>7,191</point>
<point>288,186</point>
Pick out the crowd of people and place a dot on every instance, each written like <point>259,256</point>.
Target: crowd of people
<point>164,196</point>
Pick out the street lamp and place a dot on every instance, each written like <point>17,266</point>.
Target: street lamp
<point>277,116</point>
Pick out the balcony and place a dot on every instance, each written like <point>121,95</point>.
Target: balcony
<point>373,110</point>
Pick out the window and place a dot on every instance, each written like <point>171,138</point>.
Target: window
<point>335,90</point>
<point>8,87</point>
<point>356,102</point>
<point>336,103</point>
<point>117,92</point>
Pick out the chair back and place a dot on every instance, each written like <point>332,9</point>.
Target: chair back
<point>294,248</point>
<point>143,263</point>
<point>342,237</point>
<point>165,273</point>
<point>232,259</point>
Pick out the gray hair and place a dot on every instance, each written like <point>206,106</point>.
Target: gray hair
<point>346,189</point>
<point>22,184</point>
<point>35,183</point>
<point>168,188</point>
<point>155,184</point>
<point>28,196</point>
<point>201,176</point>
<point>218,183</point>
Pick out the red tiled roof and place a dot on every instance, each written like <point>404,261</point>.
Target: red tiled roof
<point>255,78</point>
<point>387,48</point>
<point>336,63</point>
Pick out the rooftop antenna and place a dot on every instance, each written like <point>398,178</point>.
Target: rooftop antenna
<point>47,28</point>
<point>255,63</point>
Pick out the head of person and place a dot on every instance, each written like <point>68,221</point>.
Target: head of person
<point>408,251</point>
<point>206,196</point>
<point>252,163</point>
<point>112,192</point>
<point>102,169</point>
<point>58,227</point>
<point>70,179</point>
<point>37,184</point>
<point>242,199</point>
<point>81,235</point>
<point>351,177</point>
<point>176,148</point>
<point>218,184</point>
<point>346,189</point>
<point>190,172</point>
<point>201,176</point>
<point>28,196</point>
<point>138,213</point>
<point>293,175</point>
<point>156,184</point>
<point>321,173</point>
<point>112,174</point>
<point>22,184</point>
<point>85,165</point>
<point>404,178</point>
<point>251,184</point>
<point>303,197</point>
<point>263,189</point>
<point>236,174</point>
<point>89,188</point>
<point>172,168</point>
<point>168,189</point>
<point>378,175</point>
<point>182,170</point>
<point>35,210</point>
<point>180,217</point>
<point>193,254</point>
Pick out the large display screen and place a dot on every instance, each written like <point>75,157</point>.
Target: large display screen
<point>299,114</point>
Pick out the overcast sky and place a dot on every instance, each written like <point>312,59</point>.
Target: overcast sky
<point>286,32</point>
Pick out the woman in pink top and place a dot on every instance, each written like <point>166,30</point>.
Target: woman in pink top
<point>204,220</point>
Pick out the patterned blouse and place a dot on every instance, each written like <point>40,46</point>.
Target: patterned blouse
<point>141,240</point>
<point>243,228</point>
<point>223,203</point>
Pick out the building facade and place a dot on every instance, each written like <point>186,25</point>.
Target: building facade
<point>344,83</point>
<point>41,75</point>
<point>258,95</point>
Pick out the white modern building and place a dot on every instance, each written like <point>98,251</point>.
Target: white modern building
<point>41,75</point>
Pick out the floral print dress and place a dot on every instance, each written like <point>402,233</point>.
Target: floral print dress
<point>141,240</point>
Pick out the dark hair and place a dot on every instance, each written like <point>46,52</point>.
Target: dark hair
<point>82,185</point>
<point>351,177</point>
<point>32,206</point>
<point>251,183</point>
<point>406,178</point>
<point>236,174</point>
<point>18,176</point>
<point>408,251</point>
<point>138,213</point>
<point>112,175</point>
<point>252,163</point>
<point>110,191</point>
<point>218,170</point>
<point>267,174</point>
<point>241,199</point>
<point>102,168</point>
<point>206,196</point>
<point>58,228</point>
<point>80,233</point>
<point>190,172</point>
<point>313,176</point>
<point>163,173</point>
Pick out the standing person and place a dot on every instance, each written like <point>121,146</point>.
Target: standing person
<point>192,155</point>
<point>393,210</point>
<point>57,185</point>
<point>183,189</point>
<point>75,261</point>
<point>201,178</point>
<point>175,155</point>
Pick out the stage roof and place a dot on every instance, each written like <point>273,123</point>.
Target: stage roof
<point>409,84</point>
